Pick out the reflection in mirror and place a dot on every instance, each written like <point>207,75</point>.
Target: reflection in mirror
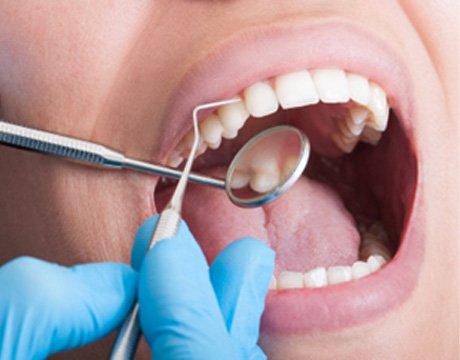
<point>267,165</point>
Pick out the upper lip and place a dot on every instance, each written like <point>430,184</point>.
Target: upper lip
<point>234,65</point>
<point>262,53</point>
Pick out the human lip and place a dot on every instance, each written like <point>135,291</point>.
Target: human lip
<point>231,68</point>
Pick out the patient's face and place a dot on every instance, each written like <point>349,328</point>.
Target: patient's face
<point>369,234</point>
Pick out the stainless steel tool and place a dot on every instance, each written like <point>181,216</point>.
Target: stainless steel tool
<point>279,143</point>
<point>167,227</point>
<point>87,152</point>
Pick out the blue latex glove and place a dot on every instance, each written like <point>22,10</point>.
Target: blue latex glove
<point>46,308</point>
<point>190,311</point>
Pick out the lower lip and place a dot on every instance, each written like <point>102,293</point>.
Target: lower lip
<point>302,311</point>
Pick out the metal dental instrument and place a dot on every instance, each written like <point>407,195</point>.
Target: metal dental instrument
<point>286,146</point>
<point>283,142</point>
<point>87,152</point>
<point>167,227</point>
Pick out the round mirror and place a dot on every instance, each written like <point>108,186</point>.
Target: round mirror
<point>267,165</point>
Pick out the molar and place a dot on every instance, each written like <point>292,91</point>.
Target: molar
<point>370,136</point>
<point>375,262</point>
<point>356,120</point>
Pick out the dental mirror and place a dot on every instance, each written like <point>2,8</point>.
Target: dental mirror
<point>263,169</point>
<point>266,166</point>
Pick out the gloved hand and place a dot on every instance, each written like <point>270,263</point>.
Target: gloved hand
<point>46,308</point>
<point>190,311</point>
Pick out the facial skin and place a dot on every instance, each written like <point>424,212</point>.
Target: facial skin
<point>105,72</point>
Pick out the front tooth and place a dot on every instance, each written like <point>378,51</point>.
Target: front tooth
<point>379,107</point>
<point>315,278</point>
<point>338,274</point>
<point>211,130</point>
<point>332,85</point>
<point>342,144</point>
<point>232,117</point>
<point>360,269</point>
<point>360,91</point>
<point>261,99</point>
<point>295,90</point>
<point>290,280</point>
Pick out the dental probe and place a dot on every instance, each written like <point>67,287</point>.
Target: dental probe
<point>87,152</point>
<point>167,227</point>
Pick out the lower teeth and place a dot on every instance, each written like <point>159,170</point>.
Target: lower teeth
<point>321,277</point>
<point>374,239</point>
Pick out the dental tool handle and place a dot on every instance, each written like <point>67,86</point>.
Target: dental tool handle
<point>84,151</point>
<point>59,145</point>
<point>129,335</point>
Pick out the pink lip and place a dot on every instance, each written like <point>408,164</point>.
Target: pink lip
<point>264,53</point>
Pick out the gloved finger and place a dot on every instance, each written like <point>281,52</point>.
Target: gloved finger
<point>59,308</point>
<point>179,313</point>
<point>240,276</point>
<point>142,240</point>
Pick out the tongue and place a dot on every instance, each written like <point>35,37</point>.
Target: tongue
<point>307,227</point>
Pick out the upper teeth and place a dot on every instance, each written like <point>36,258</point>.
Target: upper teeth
<point>365,121</point>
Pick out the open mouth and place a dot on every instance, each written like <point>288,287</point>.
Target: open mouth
<point>343,234</point>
